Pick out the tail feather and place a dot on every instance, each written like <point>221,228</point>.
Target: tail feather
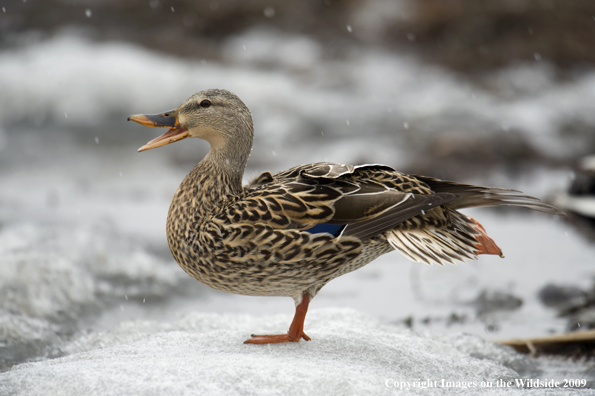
<point>472,196</point>
<point>463,240</point>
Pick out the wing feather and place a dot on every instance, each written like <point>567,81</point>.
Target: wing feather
<point>370,200</point>
<point>474,196</point>
<point>366,198</point>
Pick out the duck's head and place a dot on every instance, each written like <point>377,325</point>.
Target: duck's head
<point>215,115</point>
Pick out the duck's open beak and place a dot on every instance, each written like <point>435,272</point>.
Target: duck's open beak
<point>169,119</point>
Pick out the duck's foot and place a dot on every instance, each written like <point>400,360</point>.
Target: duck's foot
<point>296,330</point>
<point>276,338</point>
<point>485,244</point>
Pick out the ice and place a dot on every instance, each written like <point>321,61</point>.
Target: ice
<point>53,276</point>
<point>262,47</point>
<point>350,354</point>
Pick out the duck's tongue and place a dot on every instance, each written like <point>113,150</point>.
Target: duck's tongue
<point>172,135</point>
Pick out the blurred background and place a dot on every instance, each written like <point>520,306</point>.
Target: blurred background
<point>493,93</point>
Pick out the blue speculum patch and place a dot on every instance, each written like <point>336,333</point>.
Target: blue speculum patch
<point>334,229</point>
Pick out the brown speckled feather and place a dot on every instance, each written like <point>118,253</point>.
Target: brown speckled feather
<point>258,235</point>
<point>254,241</point>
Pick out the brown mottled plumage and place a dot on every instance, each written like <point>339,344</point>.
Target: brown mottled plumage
<point>290,233</point>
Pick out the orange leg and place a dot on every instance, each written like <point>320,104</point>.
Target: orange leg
<point>296,330</point>
<point>485,244</point>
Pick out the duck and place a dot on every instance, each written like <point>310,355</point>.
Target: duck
<point>292,232</point>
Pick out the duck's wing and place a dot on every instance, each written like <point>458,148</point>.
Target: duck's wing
<point>472,196</point>
<point>361,201</point>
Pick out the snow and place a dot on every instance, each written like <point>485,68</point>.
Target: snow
<point>350,354</point>
<point>53,276</point>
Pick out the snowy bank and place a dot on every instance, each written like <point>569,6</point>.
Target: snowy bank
<point>350,353</point>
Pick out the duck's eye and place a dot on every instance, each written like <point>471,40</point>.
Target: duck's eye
<point>205,103</point>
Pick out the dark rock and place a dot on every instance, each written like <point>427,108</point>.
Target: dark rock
<point>579,200</point>
<point>490,301</point>
<point>464,153</point>
<point>466,35</point>
<point>473,35</point>
<point>562,297</point>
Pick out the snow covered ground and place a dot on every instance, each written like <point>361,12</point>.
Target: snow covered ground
<point>91,295</point>
<point>350,354</point>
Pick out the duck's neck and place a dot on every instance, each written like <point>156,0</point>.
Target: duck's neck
<point>214,180</point>
<point>226,168</point>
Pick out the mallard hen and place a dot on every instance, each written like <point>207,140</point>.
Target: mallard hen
<point>289,233</point>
